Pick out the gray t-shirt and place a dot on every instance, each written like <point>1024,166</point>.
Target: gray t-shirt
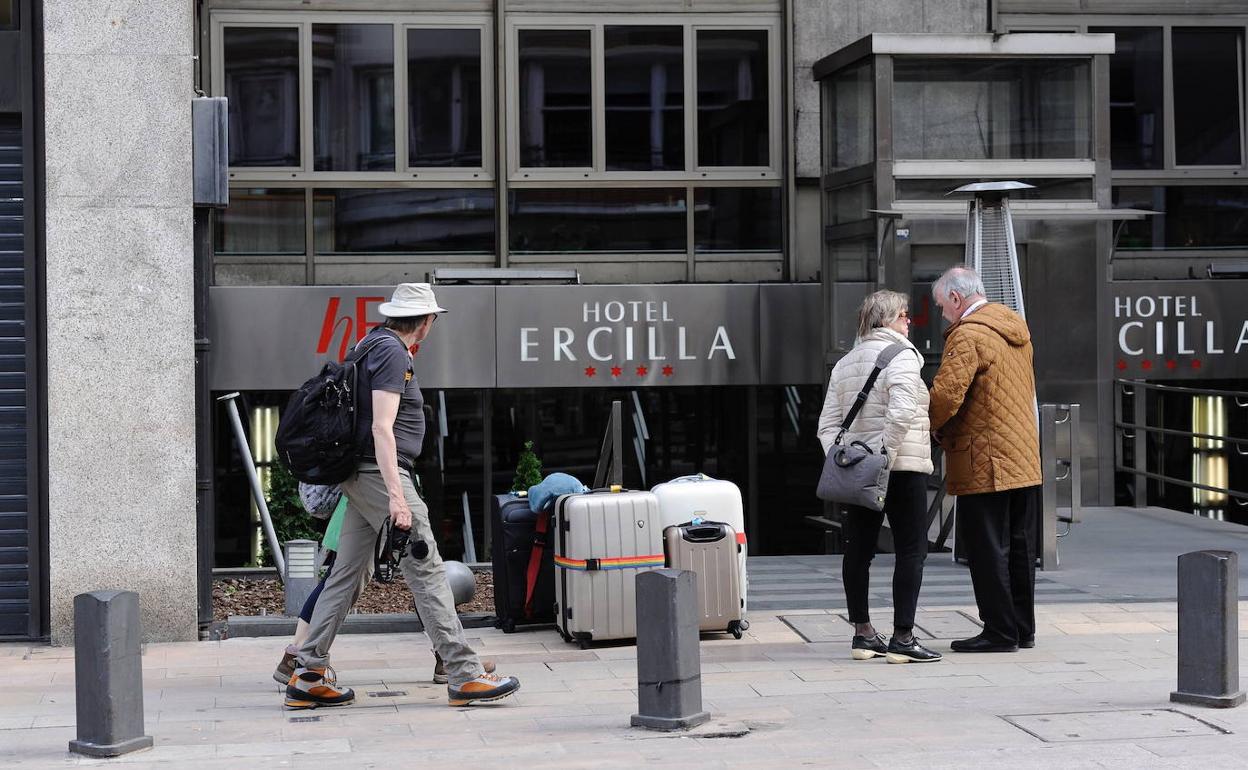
<point>388,367</point>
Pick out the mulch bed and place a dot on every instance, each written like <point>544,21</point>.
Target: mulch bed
<point>264,596</point>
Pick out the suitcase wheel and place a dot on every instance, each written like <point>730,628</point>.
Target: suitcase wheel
<point>508,626</point>
<point>737,628</point>
<point>583,643</point>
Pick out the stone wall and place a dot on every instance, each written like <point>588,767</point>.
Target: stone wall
<point>120,358</point>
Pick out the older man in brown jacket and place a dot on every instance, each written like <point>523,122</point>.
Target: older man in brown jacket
<point>983,410</point>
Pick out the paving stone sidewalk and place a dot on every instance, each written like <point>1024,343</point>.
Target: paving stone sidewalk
<point>1093,693</point>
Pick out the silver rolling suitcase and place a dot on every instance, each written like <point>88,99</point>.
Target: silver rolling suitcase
<point>603,539</point>
<point>710,549</point>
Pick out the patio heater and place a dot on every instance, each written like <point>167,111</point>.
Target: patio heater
<point>990,247</point>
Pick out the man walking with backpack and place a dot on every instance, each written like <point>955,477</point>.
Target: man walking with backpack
<point>391,427</point>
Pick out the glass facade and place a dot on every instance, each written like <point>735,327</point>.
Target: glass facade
<point>645,98</point>
<point>737,219</point>
<point>353,97</point>
<point>8,14</point>
<point>979,109</point>
<point>1137,97</point>
<point>733,98</point>
<point>1045,188</point>
<point>1192,217</point>
<point>849,99</point>
<point>555,87</point>
<point>262,221</point>
<point>444,123</point>
<point>388,221</point>
<point>1208,96</point>
<point>597,220</point>
<point>261,67</point>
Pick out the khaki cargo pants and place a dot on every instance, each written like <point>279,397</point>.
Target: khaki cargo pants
<point>367,509</point>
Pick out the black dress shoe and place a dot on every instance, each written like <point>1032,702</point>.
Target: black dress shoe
<point>910,652</point>
<point>1027,642</point>
<point>982,644</point>
<point>868,647</point>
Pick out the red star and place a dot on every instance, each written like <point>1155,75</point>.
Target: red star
<point>667,371</point>
<point>590,371</point>
<point>616,371</point>
<point>642,371</point>
<point>1171,365</point>
<point>1122,365</point>
<point>1196,363</point>
<point>1146,364</point>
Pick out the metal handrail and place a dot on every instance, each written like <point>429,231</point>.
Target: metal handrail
<point>1138,427</point>
<point>1235,394</point>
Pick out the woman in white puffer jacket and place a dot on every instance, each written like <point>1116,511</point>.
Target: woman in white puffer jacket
<point>893,419</point>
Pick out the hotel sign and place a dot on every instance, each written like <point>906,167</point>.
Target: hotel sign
<point>1180,329</point>
<point>273,338</point>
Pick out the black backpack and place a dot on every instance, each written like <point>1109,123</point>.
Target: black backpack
<point>317,436</point>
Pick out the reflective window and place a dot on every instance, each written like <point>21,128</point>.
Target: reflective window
<point>736,219</point>
<point>261,221</point>
<point>624,220</point>
<point>853,259</point>
<point>732,98</point>
<point>444,97</point>
<point>262,83</point>
<point>8,14</point>
<point>1059,188</point>
<point>1136,89</point>
<point>850,107</point>
<point>556,124</point>
<point>1207,88</point>
<point>1192,217</point>
<point>355,221</point>
<point>645,98</point>
<point>977,109</point>
<point>353,97</point>
<point>851,203</point>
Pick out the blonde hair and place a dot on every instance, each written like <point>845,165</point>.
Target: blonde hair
<point>880,309</point>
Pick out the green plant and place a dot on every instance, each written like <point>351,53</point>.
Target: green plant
<point>528,470</point>
<point>290,520</point>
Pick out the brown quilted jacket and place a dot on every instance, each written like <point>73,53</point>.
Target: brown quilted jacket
<point>984,402</point>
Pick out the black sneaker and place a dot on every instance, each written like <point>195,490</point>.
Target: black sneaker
<point>868,647</point>
<point>910,652</point>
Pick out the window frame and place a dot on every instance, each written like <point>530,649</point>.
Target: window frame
<point>1170,172</point>
<point>431,176</point>
<point>690,25</point>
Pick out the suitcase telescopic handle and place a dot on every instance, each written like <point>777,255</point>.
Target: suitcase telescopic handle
<point>691,477</point>
<point>704,534</point>
<point>605,490</point>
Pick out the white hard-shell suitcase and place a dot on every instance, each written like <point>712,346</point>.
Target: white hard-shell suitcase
<point>683,499</point>
<point>603,539</point>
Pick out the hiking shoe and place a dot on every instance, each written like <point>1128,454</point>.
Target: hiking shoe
<point>310,688</point>
<point>439,669</point>
<point>486,687</point>
<point>286,669</point>
<point>910,652</point>
<point>868,647</point>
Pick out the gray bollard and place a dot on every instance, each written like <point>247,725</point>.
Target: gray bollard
<point>301,574</point>
<point>1209,630</point>
<point>108,671</point>
<point>669,660</point>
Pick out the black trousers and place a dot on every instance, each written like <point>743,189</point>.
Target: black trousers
<point>999,531</point>
<point>906,508</point>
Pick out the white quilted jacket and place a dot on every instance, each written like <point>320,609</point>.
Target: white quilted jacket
<point>895,414</point>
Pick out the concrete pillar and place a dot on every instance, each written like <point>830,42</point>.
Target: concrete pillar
<point>108,674</point>
<point>1209,630</point>
<point>120,309</point>
<point>669,659</point>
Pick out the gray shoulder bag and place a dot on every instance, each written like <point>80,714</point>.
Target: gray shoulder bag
<point>854,474</point>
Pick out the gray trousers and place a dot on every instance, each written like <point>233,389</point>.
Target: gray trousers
<point>368,507</point>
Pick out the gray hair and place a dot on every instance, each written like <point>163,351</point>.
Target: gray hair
<point>960,278</point>
<point>880,309</point>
